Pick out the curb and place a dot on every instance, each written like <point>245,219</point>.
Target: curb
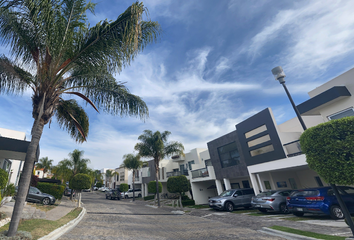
<point>286,235</point>
<point>57,233</point>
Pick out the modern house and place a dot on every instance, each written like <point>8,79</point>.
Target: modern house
<point>13,148</point>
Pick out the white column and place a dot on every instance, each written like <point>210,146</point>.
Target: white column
<point>254,183</point>
<point>227,183</point>
<point>260,182</point>
<point>218,186</point>
<point>272,183</point>
<point>146,189</point>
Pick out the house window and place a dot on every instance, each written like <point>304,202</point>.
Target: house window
<point>38,172</point>
<point>256,131</point>
<point>121,177</point>
<point>229,155</point>
<point>345,113</point>
<point>190,164</point>
<point>235,185</point>
<point>262,150</point>
<point>246,184</point>
<point>259,140</point>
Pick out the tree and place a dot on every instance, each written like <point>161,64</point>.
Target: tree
<point>109,174</point>
<point>80,181</point>
<point>3,178</point>
<point>132,162</point>
<point>62,171</point>
<point>178,184</point>
<point>152,188</point>
<point>99,184</point>
<point>45,164</point>
<point>155,145</point>
<point>95,176</point>
<point>55,52</point>
<point>329,151</point>
<point>123,187</point>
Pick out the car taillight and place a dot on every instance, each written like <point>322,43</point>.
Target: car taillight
<point>288,198</point>
<point>314,198</point>
<point>268,199</point>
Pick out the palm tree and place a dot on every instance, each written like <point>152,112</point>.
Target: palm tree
<point>55,52</point>
<point>155,145</point>
<point>45,164</point>
<point>62,171</point>
<point>109,174</point>
<point>132,162</point>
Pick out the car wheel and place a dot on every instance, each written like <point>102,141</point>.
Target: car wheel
<point>139,195</point>
<point>298,214</point>
<point>336,212</point>
<point>229,207</point>
<point>126,197</point>
<point>46,201</point>
<point>283,208</point>
<point>262,210</point>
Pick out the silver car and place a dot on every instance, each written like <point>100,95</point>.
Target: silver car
<point>231,199</point>
<point>273,200</point>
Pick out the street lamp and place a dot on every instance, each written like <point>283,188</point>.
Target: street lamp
<point>279,75</point>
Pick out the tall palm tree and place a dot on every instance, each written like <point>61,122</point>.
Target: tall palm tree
<point>155,145</point>
<point>55,52</point>
<point>45,164</point>
<point>109,174</point>
<point>62,171</point>
<point>132,162</point>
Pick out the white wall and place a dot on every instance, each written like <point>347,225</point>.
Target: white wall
<point>201,194</point>
<point>12,134</point>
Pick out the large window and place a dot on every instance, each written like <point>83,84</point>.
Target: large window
<point>256,131</point>
<point>229,155</point>
<point>262,150</point>
<point>345,113</point>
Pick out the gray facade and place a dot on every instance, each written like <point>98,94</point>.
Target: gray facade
<point>235,171</point>
<point>151,165</point>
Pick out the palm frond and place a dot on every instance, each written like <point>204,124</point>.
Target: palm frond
<point>69,115</point>
<point>13,79</point>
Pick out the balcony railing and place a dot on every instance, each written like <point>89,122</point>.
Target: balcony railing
<point>293,148</point>
<point>137,179</point>
<point>178,173</point>
<point>200,173</point>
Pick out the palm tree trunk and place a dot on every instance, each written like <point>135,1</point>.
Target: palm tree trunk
<point>157,184</point>
<point>25,178</point>
<point>133,185</point>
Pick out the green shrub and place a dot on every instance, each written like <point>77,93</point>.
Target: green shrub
<point>3,178</point>
<point>150,197</point>
<point>329,150</point>
<point>53,189</point>
<point>20,235</point>
<point>99,184</point>
<point>177,184</point>
<point>123,187</point>
<point>188,202</point>
<point>185,197</point>
<point>152,187</point>
<point>9,190</point>
<point>80,181</point>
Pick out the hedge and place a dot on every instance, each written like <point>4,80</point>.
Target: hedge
<point>188,202</point>
<point>3,178</point>
<point>150,197</point>
<point>52,189</point>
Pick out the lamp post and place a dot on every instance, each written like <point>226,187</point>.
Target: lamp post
<point>279,75</point>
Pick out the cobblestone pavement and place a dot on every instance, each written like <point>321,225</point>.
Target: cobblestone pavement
<point>112,219</point>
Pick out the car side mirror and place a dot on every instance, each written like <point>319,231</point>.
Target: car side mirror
<point>235,195</point>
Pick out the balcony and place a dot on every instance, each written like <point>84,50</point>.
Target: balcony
<point>293,148</point>
<point>178,173</point>
<point>137,179</point>
<point>200,173</point>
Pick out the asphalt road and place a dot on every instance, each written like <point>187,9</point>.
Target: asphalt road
<point>113,219</point>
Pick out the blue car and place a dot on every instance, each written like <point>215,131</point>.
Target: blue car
<point>320,201</point>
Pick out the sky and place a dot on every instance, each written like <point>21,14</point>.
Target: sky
<point>209,70</point>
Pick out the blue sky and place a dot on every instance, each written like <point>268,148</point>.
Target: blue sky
<point>209,70</point>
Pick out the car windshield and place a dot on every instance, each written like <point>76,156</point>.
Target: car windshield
<point>266,194</point>
<point>305,193</point>
<point>227,193</point>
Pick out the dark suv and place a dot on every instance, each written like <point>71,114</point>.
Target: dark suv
<point>113,194</point>
<point>231,199</point>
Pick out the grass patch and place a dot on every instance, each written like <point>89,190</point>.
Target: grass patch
<point>307,234</point>
<point>41,227</point>
<point>2,215</point>
<point>42,207</point>
<point>198,206</point>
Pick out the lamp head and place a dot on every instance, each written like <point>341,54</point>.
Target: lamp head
<point>278,73</point>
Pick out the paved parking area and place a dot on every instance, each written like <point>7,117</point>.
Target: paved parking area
<point>112,219</point>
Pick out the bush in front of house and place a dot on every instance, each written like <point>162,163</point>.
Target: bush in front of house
<point>9,190</point>
<point>188,202</point>
<point>150,197</point>
<point>3,178</point>
<point>53,189</point>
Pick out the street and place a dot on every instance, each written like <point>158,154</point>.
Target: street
<point>113,219</point>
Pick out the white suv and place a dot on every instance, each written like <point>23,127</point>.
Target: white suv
<point>129,194</point>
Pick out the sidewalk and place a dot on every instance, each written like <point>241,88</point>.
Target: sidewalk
<point>30,212</point>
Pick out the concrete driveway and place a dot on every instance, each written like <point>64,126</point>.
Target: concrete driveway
<point>113,219</point>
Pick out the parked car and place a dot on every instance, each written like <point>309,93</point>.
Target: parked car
<point>67,192</point>
<point>35,195</point>
<point>273,200</point>
<point>87,190</point>
<point>129,194</point>
<point>113,194</point>
<point>231,199</point>
<point>103,189</point>
<point>320,201</point>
